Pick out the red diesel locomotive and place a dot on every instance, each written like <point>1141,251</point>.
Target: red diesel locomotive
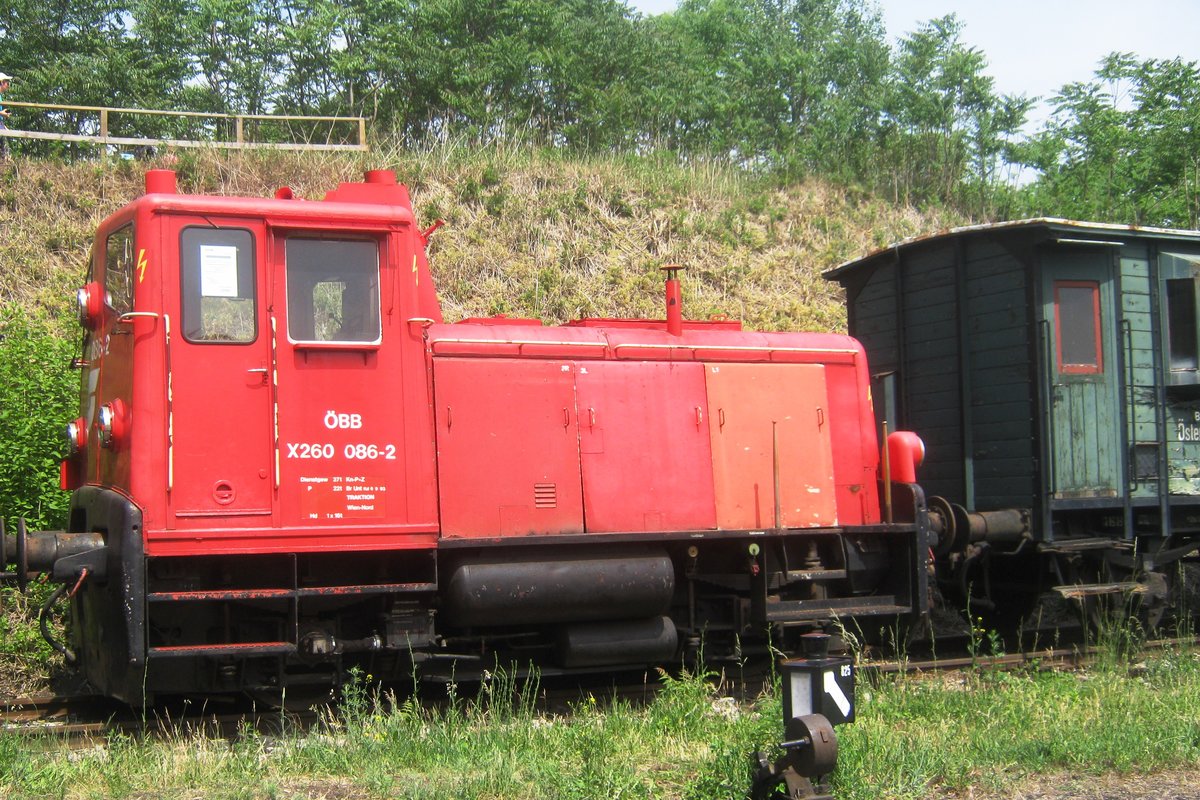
<point>286,465</point>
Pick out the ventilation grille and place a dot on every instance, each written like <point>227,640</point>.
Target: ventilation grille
<point>545,495</point>
<point>1145,461</point>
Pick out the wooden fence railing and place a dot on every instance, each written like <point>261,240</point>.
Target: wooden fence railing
<point>337,130</point>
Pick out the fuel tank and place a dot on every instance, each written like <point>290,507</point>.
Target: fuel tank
<point>494,589</point>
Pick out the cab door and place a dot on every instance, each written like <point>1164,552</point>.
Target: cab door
<point>353,464</point>
<point>219,394</point>
<point>1082,368</point>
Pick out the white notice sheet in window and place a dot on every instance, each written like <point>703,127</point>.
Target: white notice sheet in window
<point>218,271</point>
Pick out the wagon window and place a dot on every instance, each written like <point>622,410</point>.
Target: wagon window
<point>1181,329</point>
<point>218,285</point>
<point>333,291</point>
<point>1077,324</point>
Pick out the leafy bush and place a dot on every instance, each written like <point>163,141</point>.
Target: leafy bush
<point>38,396</point>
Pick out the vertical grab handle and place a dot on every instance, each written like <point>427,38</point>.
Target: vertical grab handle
<point>1132,480</point>
<point>1050,479</point>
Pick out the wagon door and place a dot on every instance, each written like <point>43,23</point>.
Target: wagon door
<point>1081,367</point>
<point>220,393</point>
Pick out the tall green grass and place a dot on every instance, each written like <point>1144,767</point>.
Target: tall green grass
<point>915,737</point>
<point>686,743</point>
<point>991,729</point>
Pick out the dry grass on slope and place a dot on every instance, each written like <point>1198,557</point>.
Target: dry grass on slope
<point>529,233</point>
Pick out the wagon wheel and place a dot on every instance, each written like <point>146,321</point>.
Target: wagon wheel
<point>1153,604</point>
<point>1183,586</point>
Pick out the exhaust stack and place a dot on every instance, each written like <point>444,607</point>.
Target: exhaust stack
<point>161,181</point>
<point>674,300</point>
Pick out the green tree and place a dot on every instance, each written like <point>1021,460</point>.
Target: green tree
<point>239,55</point>
<point>1123,147</point>
<point>553,72</point>
<point>67,53</point>
<point>946,130</point>
<point>789,83</point>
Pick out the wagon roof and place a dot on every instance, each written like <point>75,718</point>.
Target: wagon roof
<point>1051,223</point>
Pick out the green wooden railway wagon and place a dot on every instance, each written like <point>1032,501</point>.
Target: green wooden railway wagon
<point>1052,368</point>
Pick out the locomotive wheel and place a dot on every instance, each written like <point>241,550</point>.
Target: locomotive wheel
<point>1048,618</point>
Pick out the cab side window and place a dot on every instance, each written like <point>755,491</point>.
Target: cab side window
<point>119,264</point>
<point>218,285</point>
<point>333,290</point>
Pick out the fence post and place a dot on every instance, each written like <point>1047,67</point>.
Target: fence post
<point>104,123</point>
<point>238,125</point>
<point>362,132</point>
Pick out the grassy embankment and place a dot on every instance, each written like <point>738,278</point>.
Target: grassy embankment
<point>529,233</point>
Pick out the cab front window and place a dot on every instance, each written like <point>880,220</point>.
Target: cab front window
<point>333,291</point>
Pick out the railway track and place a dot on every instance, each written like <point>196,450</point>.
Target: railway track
<point>80,721</point>
<point>83,720</point>
<point>87,720</point>
<point>1057,658</point>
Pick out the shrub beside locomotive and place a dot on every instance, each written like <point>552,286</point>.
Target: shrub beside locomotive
<point>286,465</point>
<point>1053,369</point>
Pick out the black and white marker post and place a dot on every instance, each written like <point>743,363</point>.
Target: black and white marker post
<point>818,693</point>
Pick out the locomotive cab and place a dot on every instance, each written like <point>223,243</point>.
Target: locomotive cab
<point>287,464</point>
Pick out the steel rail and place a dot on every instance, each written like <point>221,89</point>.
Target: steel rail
<point>1073,657</point>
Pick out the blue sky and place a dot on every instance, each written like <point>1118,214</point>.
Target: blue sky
<point>1035,46</point>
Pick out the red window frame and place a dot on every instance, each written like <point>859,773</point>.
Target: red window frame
<point>1068,368</point>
